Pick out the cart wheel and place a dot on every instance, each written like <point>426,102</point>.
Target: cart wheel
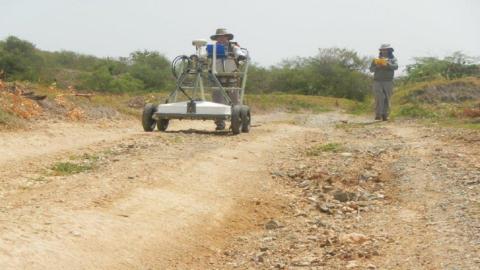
<point>236,119</point>
<point>148,122</point>
<point>162,125</point>
<point>246,119</point>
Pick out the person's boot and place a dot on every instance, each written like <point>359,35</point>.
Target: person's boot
<point>220,126</point>
<point>384,118</point>
<point>378,118</point>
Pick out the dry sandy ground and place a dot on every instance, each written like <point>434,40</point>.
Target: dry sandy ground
<point>152,199</point>
<point>177,200</point>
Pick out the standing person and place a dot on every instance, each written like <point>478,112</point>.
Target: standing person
<point>227,65</point>
<point>383,69</point>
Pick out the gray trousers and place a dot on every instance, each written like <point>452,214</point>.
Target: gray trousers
<point>383,91</point>
<point>218,97</point>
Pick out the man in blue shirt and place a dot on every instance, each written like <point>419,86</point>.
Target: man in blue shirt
<point>227,65</point>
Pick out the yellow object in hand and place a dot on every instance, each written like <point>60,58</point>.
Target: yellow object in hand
<point>380,61</point>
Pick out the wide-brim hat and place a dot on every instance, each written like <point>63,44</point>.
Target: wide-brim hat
<point>222,32</point>
<point>386,46</point>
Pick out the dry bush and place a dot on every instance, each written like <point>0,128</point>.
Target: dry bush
<point>471,112</point>
<point>74,113</point>
<point>18,105</point>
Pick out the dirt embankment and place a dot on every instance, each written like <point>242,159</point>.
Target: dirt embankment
<point>326,191</point>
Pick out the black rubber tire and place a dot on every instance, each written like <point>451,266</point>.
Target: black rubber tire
<point>236,121</point>
<point>245,118</point>
<point>162,125</point>
<point>148,122</point>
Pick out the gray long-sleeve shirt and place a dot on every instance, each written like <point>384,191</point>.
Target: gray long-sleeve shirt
<point>384,73</point>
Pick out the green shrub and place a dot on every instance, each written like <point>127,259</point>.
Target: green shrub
<point>69,168</point>
<point>329,147</point>
<point>102,80</point>
<point>125,83</point>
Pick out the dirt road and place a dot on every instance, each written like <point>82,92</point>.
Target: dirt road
<point>183,199</point>
<point>151,198</point>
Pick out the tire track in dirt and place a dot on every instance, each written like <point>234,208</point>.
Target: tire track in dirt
<point>427,219</point>
<point>46,139</point>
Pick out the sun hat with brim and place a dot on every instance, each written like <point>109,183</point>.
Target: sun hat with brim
<point>222,32</point>
<point>386,47</point>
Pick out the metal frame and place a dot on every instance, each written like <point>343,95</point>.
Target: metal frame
<point>204,67</point>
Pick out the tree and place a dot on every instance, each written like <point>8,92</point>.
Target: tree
<point>451,67</point>
<point>333,72</point>
<point>340,73</point>
<point>259,79</point>
<point>19,59</point>
<point>100,79</point>
<point>152,68</point>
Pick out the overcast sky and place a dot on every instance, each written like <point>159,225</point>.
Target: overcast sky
<point>271,29</point>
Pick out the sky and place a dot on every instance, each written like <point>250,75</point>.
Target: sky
<point>272,30</point>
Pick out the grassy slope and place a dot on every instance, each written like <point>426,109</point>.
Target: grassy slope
<point>299,103</point>
<point>406,104</point>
